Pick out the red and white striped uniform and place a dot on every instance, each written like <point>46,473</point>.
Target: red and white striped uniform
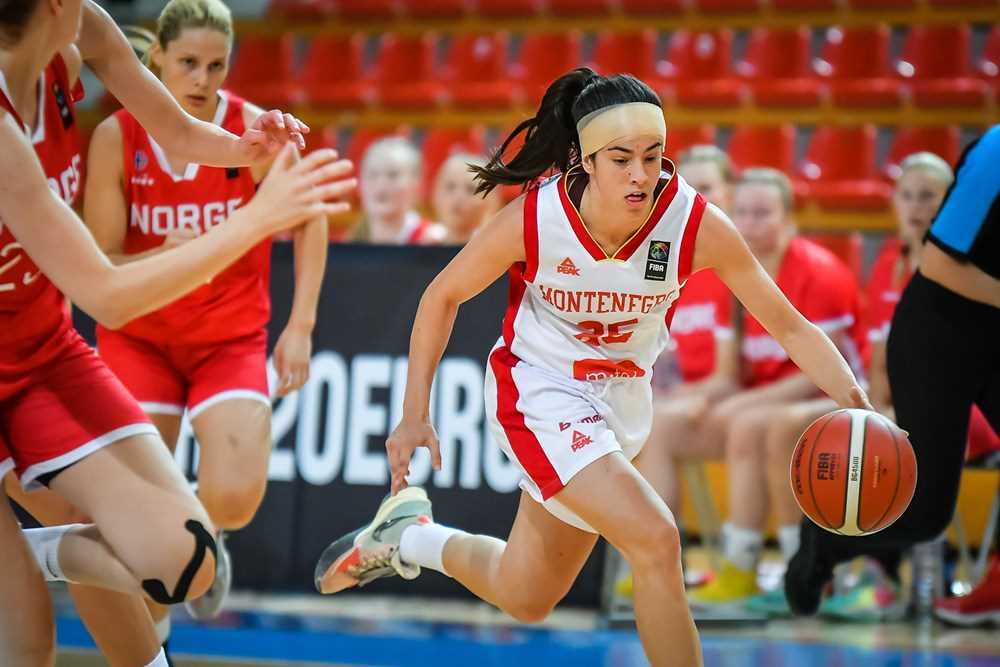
<point>58,401</point>
<point>209,345</point>
<point>569,379</point>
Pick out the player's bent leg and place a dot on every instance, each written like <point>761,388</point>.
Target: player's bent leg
<point>119,623</point>
<point>639,524</point>
<point>27,636</point>
<point>527,575</point>
<point>235,438</point>
<point>147,517</point>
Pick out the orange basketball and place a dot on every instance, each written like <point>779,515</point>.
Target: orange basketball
<point>853,472</point>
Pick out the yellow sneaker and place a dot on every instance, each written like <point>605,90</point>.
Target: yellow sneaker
<point>623,587</point>
<point>729,585</point>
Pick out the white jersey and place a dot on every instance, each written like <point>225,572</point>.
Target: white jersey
<point>585,315</point>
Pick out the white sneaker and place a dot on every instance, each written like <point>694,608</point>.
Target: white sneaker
<point>210,604</point>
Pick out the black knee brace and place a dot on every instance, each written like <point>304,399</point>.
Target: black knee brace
<point>203,541</point>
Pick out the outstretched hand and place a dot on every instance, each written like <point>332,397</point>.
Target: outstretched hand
<point>272,130</point>
<point>403,441</point>
<point>858,399</point>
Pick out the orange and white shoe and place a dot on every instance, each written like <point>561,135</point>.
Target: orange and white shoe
<point>372,552</point>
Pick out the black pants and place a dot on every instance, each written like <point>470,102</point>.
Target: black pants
<point>943,355</point>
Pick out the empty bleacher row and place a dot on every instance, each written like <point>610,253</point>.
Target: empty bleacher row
<point>936,67</point>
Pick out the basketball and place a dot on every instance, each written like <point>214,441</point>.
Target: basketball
<point>853,472</point>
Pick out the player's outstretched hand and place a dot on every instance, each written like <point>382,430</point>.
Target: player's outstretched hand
<point>401,444</point>
<point>858,399</point>
<point>297,191</point>
<point>272,130</point>
<point>292,353</point>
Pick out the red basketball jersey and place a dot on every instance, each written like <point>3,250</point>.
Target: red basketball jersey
<point>159,201</point>
<point>890,274</point>
<point>32,310</point>
<point>701,315</point>
<point>823,289</point>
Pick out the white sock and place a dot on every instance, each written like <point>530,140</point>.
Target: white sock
<point>742,546</point>
<point>788,540</point>
<point>423,544</point>
<point>44,543</point>
<point>162,627</point>
<point>160,660</point>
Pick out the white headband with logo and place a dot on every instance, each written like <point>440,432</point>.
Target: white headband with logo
<point>599,128</point>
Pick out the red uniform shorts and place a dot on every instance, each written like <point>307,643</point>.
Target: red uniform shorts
<point>167,378</point>
<point>56,414</point>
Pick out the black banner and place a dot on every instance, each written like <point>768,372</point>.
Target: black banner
<point>328,470</point>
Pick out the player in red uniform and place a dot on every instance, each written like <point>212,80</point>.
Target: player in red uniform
<point>65,422</point>
<point>823,290</point>
<point>629,225</point>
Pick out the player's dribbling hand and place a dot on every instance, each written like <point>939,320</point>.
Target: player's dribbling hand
<point>272,130</point>
<point>294,192</point>
<point>858,399</point>
<point>401,444</point>
<point>291,359</point>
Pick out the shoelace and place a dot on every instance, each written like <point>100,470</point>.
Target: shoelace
<point>377,560</point>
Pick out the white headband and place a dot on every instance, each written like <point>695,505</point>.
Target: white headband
<point>599,128</point>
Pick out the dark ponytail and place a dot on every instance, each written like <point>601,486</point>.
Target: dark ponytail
<point>14,18</point>
<point>551,139</point>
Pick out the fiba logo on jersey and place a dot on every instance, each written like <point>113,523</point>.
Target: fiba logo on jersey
<point>656,260</point>
<point>140,161</point>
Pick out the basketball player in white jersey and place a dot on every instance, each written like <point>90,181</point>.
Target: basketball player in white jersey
<point>596,257</point>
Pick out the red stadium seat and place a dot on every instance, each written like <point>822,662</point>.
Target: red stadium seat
<point>840,169</point>
<point>804,5</point>
<point>301,10</point>
<point>475,73</point>
<point>988,67</point>
<point>881,4</point>
<point>944,141</point>
<point>366,9</point>
<point>263,70</point>
<point>763,146</point>
<point>626,52</point>
<point>682,137</point>
<point>507,8</point>
<point>332,75</point>
<point>543,58</point>
<point>855,65</point>
<point>327,137</point>
<point>935,65</point>
<point>435,9</point>
<point>579,7</point>
<point>404,73</point>
<point>962,3</point>
<point>697,66</point>
<point>630,7</point>
<point>777,65</point>
<point>441,143</point>
<point>850,248</point>
<point>727,6</point>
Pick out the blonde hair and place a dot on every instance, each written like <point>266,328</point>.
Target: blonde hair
<point>181,14</point>
<point>709,153</point>
<point>405,148</point>
<point>772,177</point>
<point>929,161</point>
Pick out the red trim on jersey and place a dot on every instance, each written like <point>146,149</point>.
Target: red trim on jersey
<point>523,442</point>
<point>659,207</point>
<point>531,235</point>
<point>586,240</point>
<point>625,252</point>
<point>515,294</point>
<point>686,260</point>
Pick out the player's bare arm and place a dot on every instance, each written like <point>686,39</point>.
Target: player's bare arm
<point>484,259</point>
<point>720,247</point>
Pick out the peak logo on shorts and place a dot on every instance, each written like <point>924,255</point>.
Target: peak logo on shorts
<point>568,268</point>
<point>656,260</point>
<point>580,440</point>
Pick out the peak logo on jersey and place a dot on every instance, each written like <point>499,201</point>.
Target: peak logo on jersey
<point>656,260</point>
<point>140,161</point>
<point>580,440</point>
<point>568,267</point>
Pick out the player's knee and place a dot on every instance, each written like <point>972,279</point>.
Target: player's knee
<point>654,544</point>
<point>232,503</point>
<point>740,440</point>
<point>186,570</point>
<point>528,607</point>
